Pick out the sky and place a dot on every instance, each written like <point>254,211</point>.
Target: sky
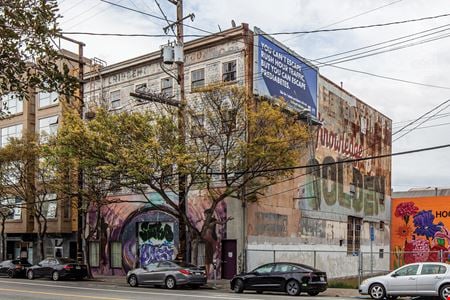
<point>427,63</point>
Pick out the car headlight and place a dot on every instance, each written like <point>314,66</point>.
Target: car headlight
<point>364,282</point>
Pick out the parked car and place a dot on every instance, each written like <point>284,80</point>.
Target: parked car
<point>169,274</point>
<point>14,268</point>
<point>291,278</point>
<point>57,268</point>
<point>418,279</point>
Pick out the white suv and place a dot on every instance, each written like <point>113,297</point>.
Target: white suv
<point>418,279</point>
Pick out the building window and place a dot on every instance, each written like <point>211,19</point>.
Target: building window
<point>10,132</point>
<point>140,88</point>
<point>229,71</point>
<point>49,206</point>
<point>116,255</point>
<point>353,235</point>
<point>12,207</point>
<point>115,99</point>
<point>167,87</point>
<point>94,254</point>
<point>381,226</point>
<point>11,104</point>
<point>381,253</point>
<point>197,79</point>
<point>198,125</point>
<point>48,127</point>
<point>48,98</point>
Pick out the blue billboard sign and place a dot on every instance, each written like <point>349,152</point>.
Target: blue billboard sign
<point>279,72</point>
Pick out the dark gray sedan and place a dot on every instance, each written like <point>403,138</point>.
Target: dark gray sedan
<point>169,274</point>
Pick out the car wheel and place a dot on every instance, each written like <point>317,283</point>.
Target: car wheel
<point>377,291</point>
<point>238,286</point>
<point>313,293</point>
<point>293,288</point>
<point>133,281</point>
<point>55,276</point>
<point>30,274</point>
<point>444,292</point>
<point>170,283</point>
<point>10,274</point>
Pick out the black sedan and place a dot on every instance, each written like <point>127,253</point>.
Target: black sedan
<point>14,268</point>
<point>57,268</point>
<point>291,278</point>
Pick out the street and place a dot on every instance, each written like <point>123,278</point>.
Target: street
<point>47,289</point>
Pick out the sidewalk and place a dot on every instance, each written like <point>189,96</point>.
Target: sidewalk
<point>223,285</point>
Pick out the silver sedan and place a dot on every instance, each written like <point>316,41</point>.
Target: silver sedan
<point>418,279</point>
<point>169,274</point>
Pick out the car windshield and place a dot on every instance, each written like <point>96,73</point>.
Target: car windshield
<point>64,261</point>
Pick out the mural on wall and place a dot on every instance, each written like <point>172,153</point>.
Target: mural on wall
<point>156,242</point>
<point>148,235</point>
<point>197,205</point>
<point>420,230</point>
<point>350,129</point>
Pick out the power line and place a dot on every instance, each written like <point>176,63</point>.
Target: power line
<point>349,18</point>
<point>381,43</point>
<point>345,161</point>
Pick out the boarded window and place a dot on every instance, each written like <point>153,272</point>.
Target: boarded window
<point>167,87</point>
<point>115,99</point>
<point>116,255</point>
<point>353,235</point>
<point>94,254</point>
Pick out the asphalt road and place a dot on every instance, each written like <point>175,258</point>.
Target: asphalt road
<point>46,289</point>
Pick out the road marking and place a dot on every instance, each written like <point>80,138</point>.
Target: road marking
<point>57,294</point>
<point>129,291</point>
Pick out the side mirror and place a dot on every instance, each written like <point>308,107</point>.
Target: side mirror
<point>394,275</point>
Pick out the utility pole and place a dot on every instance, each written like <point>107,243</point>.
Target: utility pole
<point>181,105</point>
<point>182,180</point>
<point>80,180</point>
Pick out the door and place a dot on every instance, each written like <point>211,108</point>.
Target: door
<point>404,280</point>
<point>39,271</point>
<point>229,262</point>
<point>279,274</point>
<point>73,250</point>
<point>4,267</point>
<point>430,276</point>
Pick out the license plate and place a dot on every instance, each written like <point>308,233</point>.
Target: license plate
<point>78,267</point>
<point>322,278</point>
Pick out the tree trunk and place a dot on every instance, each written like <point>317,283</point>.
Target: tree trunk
<point>86,253</point>
<point>194,250</point>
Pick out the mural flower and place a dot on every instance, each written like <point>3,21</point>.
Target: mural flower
<point>416,251</point>
<point>404,231</point>
<point>405,210</point>
<point>423,221</point>
<point>434,253</point>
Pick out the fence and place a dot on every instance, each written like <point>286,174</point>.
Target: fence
<point>340,264</point>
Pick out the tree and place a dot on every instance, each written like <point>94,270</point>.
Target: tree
<point>29,58</point>
<point>231,145</point>
<point>94,191</point>
<point>29,176</point>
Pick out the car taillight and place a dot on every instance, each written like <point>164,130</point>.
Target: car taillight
<point>185,272</point>
<point>68,267</point>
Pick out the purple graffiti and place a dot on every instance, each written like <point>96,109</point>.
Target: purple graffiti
<point>151,253</point>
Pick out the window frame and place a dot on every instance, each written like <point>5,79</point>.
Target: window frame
<point>5,106</point>
<point>16,134</point>
<point>229,74</point>
<point>197,83</point>
<point>49,97</point>
<point>354,225</point>
<point>53,125</point>
<point>113,253</point>
<point>96,262</point>
<point>116,101</point>
<point>165,89</point>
